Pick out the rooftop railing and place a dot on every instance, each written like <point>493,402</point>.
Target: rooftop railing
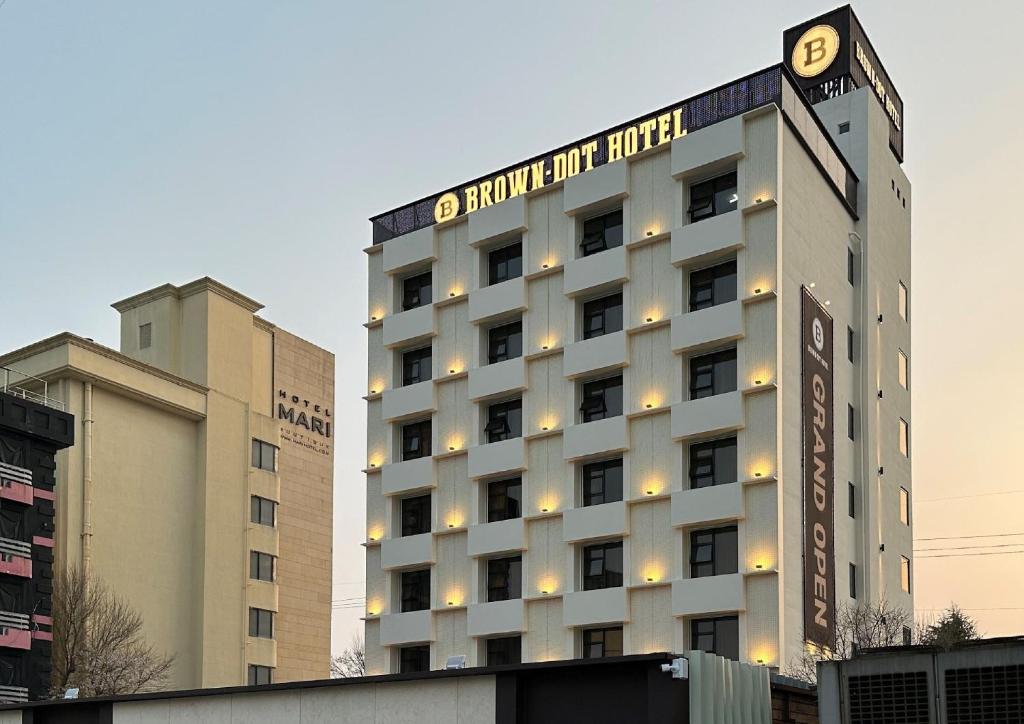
<point>28,387</point>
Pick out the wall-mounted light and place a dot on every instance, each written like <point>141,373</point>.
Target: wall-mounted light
<point>453,519</point>
<point>653,572</point>
<point>757,291</point>
<point>828,302</point>
<point>757,474</point>
<point>455,367</point>
<point>547,585</point>
<point>811,285</point>
<point>759,566</point>
<point>375,533</point>
<point>454,597</point>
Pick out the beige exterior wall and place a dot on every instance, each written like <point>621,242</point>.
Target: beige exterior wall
<point>156,503</point>
<point>793,230</point>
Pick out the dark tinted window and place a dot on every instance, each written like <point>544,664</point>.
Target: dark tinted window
<point>416,515</point>
<point>261,623</point>
<point>504,420</point>
<point>416,291</point>
<point>713,197</point>
<point>602,566</point>
<point>261,566</point>
<point>264,455</point>
<point>713,374</point>
<point>413,659</point>
<point>601,642</point>
<point>415,590</point>
<point>713,463</point>
<point>505,578</point>
<point>504,500</point>
<point>716,636</point>
<point>852,502</point>
<point>713,552</point>
<point>602,232</point>
<point>505,263</point>
<point>712,286</point>
<point>416,366</point>
<point>505,342</point>
<point>260,675</point>
<point>262,510</point>
<point>602,316</point>
<point>416,440</point>
<point>853,581</point>
<point>601,398</point>
<point>602,482</point>
<point>851,431</point>
<point>505,650</point>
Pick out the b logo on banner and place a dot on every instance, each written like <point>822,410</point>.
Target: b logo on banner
<point>447,207</point>
<point>818,332</point>
<point>815,51</point>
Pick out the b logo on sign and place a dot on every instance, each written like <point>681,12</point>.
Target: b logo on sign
<point>818,332</point>
<point>815,51</point>
<point>447,207</point>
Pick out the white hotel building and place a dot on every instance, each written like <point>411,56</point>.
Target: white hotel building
<point>584,401</point>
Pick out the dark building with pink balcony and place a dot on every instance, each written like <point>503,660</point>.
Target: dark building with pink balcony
<point>32,429</point>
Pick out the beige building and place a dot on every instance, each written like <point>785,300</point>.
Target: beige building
<point>608,386</point>
<point>200,484</point>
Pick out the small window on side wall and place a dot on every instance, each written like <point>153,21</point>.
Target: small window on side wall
<point>264,455</point>
<point>145,335</point>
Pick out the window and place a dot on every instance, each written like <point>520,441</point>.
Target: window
<point>853,581</point>
<point>505,263</point>
<point>713,374</point>
<point>413,659</point>
<point>145,335</point>
<point>261,566</point>
<point>905,574</point>
<point>416,440</point>
<point>907,636</point>
<point>260,675</point>
<point>904,438</point>
<point>904,506</point>
<point>851,432</point>
<point>601,233</point>
<point>844,127</point>
<point>713,463</point>
<point>602,482</point>
<point>602,566</point>
<point>851,492</point>
<point>264,455</point>
<point>719,636</point>
<point>416,291</point>
<point>713,197</point>
<point>416,515</point>
<point>904,305</point>
<point>601,399</point>
<point>416,366</point>
<point>849,343</point>
<point>712,286</point>
<point>601,642</point>
<point>850,264</point>
<point>262,510</point>
<point>505,578</point>
<point>505,342</point>
<point>415,588</point>
<point>602,316</point>
<point>713,552</point>
<point>504,500</point>
<point>261,623</point>
<point>904,370</point>
<point>504,420</point>
<point>504,650</point>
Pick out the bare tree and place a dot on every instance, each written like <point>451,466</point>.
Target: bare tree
<point>98,645</point>
<point>351,662</point>
<point>857,627</point>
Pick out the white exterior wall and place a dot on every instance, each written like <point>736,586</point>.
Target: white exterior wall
<point>790,229</point>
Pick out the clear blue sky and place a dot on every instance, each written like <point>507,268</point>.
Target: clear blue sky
<point>145,142</point>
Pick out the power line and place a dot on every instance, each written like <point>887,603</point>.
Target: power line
<point>976,495</point>
<point>967,548</point>
<point>959,537</point>
<point>967,555</point>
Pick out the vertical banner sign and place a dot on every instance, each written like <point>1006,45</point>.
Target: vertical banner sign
<point>819,478</point>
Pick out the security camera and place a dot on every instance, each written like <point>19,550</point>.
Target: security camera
<point>679,668</point>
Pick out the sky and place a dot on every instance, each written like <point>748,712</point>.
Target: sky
<point>144,143</point>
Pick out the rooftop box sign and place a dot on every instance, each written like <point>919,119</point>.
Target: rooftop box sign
<point>831,55</point>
